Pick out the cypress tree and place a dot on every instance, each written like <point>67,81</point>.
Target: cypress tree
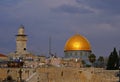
<point>113,61</point>
<point>116,59</point>
<point>110,64</point>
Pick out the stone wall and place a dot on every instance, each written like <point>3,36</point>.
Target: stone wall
<point>60,74</point>
<point>15,73</point>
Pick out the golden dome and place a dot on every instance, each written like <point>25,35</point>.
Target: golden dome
<point>77,42</point>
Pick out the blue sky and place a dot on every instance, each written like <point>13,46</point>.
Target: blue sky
<point>97,20</point>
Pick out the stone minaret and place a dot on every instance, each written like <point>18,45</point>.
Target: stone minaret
<point>21,40</point>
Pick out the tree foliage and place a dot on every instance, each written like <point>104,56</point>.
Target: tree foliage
<point>113,61</point>
<point>100,61</point>
<point>92,58</point>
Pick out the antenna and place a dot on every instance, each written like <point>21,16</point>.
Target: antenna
<point>50,45</point>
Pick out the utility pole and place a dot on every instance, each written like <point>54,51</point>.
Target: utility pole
<point>49,45</point>
<point>119,66</point>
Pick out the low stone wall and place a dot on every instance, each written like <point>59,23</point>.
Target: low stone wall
<point>15,73</point>
<point>60,74</point>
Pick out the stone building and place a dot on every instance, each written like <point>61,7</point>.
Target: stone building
<point>21,52</point>
<point>3,57</point>
<point>3,60</point>
<point>77,63</point>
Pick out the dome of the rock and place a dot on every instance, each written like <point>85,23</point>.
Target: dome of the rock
<point>77,46</point>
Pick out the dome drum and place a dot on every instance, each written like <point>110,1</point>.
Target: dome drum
<point>76,54</point>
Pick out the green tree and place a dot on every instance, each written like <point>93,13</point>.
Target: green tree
<point>100,61</point>
<point>92,58</point>
<point>113,61</point>
<point>116,59</point>
<point>110,64</point>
